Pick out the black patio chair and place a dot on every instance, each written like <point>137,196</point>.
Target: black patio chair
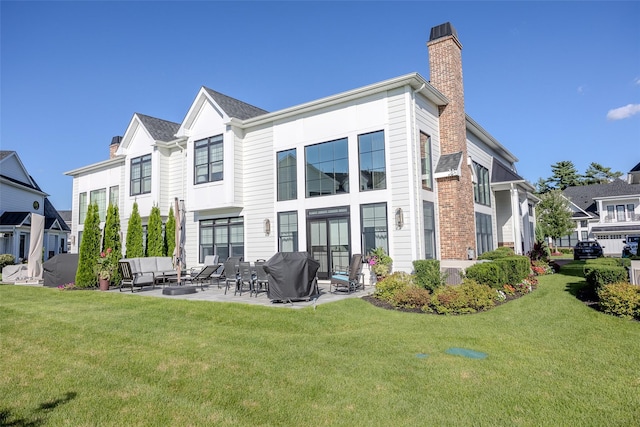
<point>246,278</point>
<point>351,280</point>
<point>230,274</point>
<point>203,277</point>
<point>261,283</point>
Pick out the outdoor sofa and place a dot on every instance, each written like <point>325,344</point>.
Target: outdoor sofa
<point>146,271</point>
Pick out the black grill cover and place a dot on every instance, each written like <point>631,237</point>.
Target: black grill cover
<point>291,276</point>
<point>60,270</point>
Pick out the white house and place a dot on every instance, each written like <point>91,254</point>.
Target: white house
<point>20,196</point>
<point>397,164</point>
<point>605,212</point>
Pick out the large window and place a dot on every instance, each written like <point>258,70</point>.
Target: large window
<point>208,160</point>
<point>373,174</point>
<point>429,219</point>
<point>288,231</point>
<point>484,233</point>
<point>425,161</point>
<point>82,208</point>
<point>374,227</point>
<point>99,197</point>
<point>327,168</point>
<point>568,241</point>
<point>223,237</point>
<point>481,189</point>
<point>287,176</point>
<point>114,194</point>
<point>141,175</point>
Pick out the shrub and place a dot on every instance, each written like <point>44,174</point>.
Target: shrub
<point>540,268</point>
<point>170,233</point>
<point>620,299</point>
<point>390,285</point>
<point>6,259</point>
<point>487,273</point>
<point>428,274</point>
<point>155,240</point>
<point>516,268</point>
<point>380,262</point>
<point>450,300</point>
<point>89,249</point>
<point>411,296</point>
<point>598,275</point>
<point>479,297</point>
<point>501,252</point>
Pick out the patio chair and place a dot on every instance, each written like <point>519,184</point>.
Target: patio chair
<point>350,280</point>
<point>262,278</point>
<point>246,278</point>
<point>208,260</point>
<point>131,277</point>
<point>230,274</point>
<point>203,276</point>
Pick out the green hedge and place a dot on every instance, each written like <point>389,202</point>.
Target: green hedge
<point>620,299</point>
<point>501,252</point>
<point>428,274</point>
<point>487,273</point>
<point>601,274</point>
<point>517,268</point>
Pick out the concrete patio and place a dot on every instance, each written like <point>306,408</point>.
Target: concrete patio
<point>213,293</point>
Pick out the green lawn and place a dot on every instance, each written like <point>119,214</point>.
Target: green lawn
<point>83,358</point>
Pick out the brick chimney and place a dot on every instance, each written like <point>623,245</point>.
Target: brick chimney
<point>113,147</point>
<point>455,193</point>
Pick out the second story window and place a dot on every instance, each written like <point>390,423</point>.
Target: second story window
<point>327,168</point>
<point>287,176</point>
<point>141,175</point>
<point>82,210</point>
<point>98,197</point>
<point>372,167</point>
<point>425,161</point>
<point>481,188</point>
<point>208,160</point>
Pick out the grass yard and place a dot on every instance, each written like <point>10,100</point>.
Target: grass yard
<point>82,358</point>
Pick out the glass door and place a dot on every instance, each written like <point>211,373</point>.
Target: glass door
<point>328,240</point>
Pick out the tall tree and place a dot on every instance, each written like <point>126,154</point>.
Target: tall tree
<point>564,175</point>
<point>135,248</point>
<point>89,249</point>
<point>155,243</point>
<point>170,233</point>
<point>554,215</point>
<point>542,186</point>
<point>111,239</point>
<point>598,174</point>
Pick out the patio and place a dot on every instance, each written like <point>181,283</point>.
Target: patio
<point>213,293</point>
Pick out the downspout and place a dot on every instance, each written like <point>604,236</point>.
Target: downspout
<point>515,215</point>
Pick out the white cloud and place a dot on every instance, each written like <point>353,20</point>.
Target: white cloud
<point>580,89</point>
<point>637,81</point>
<point>623,112</point>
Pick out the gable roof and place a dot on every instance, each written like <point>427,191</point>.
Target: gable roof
<point>160,130</point>
<point>500,173</point>
<point>52,217</point>
<point>584,196</point>
<point>233,107</point>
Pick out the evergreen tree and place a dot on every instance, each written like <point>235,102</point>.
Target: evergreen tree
<point>598,174</point>
<point>564,175</point>
<point>89,249</point>
<point>542,186</point>
<point>155,242</point>
<point>170,233</point>
<point>135,248</point>
<point>554,215</point>
<point>112,239</point>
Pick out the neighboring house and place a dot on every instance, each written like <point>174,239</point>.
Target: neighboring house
<point>605,212</point>
<point>397,164</point>
<point>20,196</point>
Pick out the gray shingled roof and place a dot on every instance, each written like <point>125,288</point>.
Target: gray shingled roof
<point>233,107</point>
<point>636,168</point>
<point>583,195</point>
<point>51,214</point>
<point>5,153</point>
<point>160,130</point>
<point>500,173</point>
<point>448,162</point>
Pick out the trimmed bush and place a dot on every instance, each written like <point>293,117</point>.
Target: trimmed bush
<point>6,259</point>
<point>135,248</point>
<point>428,274</point>
<point>450,300</point>
<point>155,240</point>
<point>620,299</point>
<point>392,284</point>
<point>598,275</point>
<point>516,268</point>
<point>479,297</point>
<point>411,297</point>
<point>501,252</point>
<point>487,273</point>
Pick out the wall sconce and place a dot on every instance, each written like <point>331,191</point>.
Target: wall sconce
<point>266,225</point>
<point>399,218</point>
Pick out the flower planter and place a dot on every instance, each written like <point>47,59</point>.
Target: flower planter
<point>104,284</point>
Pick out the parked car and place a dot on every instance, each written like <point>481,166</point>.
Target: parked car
<point>631,244</point>
<point>587,249</point>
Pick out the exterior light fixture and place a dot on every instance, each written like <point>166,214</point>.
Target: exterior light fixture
<point>266,224</point>
<point>399,218</point>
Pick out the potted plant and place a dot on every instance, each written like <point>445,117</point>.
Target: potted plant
<point>105,269</point>
<point>380,263</point>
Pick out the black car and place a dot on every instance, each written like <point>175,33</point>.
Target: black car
<point>587,249</point>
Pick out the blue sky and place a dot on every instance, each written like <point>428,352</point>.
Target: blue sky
<point>551,81</point>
